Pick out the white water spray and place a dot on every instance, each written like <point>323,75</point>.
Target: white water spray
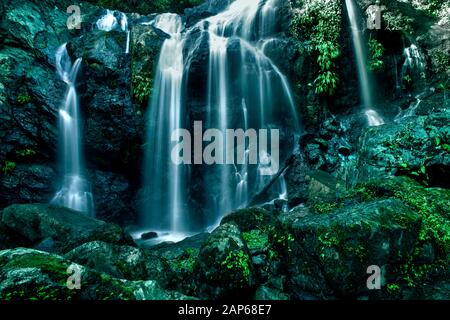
<point>75,192</point>
<point>374,119</point>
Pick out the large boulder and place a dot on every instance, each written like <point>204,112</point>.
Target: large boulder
<point>341,245</point>
<point>27,274</point>
<point>224,267</point>
<point>179,259</point>
<point>249,218</point>
<point>65,229</point>
<point>123,262</point>
<point>417,146</point>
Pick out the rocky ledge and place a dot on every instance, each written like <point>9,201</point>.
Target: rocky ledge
<point>319,250</point>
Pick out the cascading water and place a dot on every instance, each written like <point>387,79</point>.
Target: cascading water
<point>114,20</point>
<point>373,117</point>
<point>413,68</point>
<point>75,192</point>
<point>164,178</point>
<point>243,87</point>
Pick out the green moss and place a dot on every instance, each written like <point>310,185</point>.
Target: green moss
<point>8,167</point>
<point>186,262</point>
<point>323,207</point>
<point>433,205</point>
<point>238,262</point>
<point>23,99</point>
<point>256,239</point>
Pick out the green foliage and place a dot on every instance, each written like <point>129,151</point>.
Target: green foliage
<point>323,207</point>
<point>393,288</point>
<point>8,167</point>
<point>23,99</point>
<point>25,153</point>
<point>418,173</point>
<point>142,88</point>
<point>396,21</point>
<point>238,261</point>
<point>376,52</point>
<point>187,260</point>
<point>319,22</point>
<point>256,239</point>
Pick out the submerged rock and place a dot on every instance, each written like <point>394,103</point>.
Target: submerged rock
<point>149,235</point>
<point>67,228</point>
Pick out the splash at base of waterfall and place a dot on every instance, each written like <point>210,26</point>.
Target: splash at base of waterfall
<point>74,195</point>
<point>374,118</point>
<point>75,192</point>
<point>162,237</point>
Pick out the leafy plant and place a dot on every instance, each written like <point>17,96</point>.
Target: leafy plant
<point>419,173</point>
<point>142,88</point>
<point>238,261</point>
<point>25,153</point>
<point>23,99</point>
<point>8,167</point>
<point>376,52</point>
<point>319,22</point>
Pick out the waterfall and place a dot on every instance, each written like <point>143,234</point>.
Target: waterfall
<point>75,192</point>
<point>414,65</point>
<point>164,179</point>
<point>114,20</point>
<point>373,117</point>
<point>244,90</point>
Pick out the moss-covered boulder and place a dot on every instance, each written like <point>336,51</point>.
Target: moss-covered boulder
<point>395,207</point>
<point>123,262</point>
<point>66,228</point>
<point>179,259</point>
<point>346,242</point>
<point>27,274</point>
<point>224,267</point>
<point>250,218</point>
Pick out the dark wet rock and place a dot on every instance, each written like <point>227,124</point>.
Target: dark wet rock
<point>67,228</point>
<point>180,258</point>
<point>250,218</point>
<point>27,183</point>
<point>27,274</point>
<point>323,186</point>
<point>123,262</point>
<point>345,242</point>
<point>149,235</point>
<point>414,146</point>
<point>265,293</point>
<point>224,268</point>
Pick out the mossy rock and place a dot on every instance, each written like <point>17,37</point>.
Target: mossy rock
<point>250,218</point>
<point>28,274</point>
<point>224,267</point>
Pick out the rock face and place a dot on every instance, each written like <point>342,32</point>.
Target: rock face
<point>123,262</point>
<point>345,243</point>
<point>415,145</point>
<point>27,274</point>
<point>31,94</point>
<point>65,228</point>
<point>224,268</point>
